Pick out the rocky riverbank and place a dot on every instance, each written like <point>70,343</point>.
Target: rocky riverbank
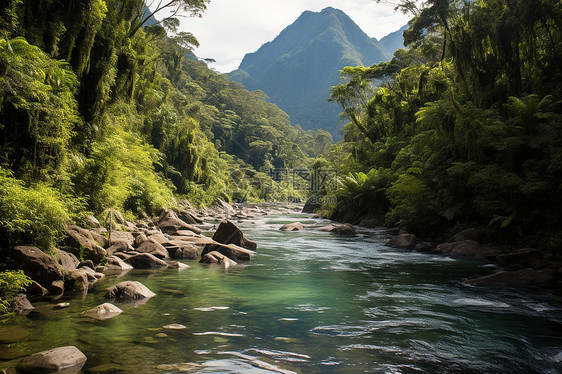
<point>90,251</point>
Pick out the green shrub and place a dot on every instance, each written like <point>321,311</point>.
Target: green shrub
<point>33,215</point>
<point>11,283</point>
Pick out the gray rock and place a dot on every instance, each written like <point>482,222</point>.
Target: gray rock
<point>122,236</point>
<point>81,243</point>
<point>231,251</point>
<point>154,249</point>
<point>295,226</point>
<point>146,261</point>
<point>115,263</point>
<point>67,260</point>
<point>229,233</point>
<point>128,291</point>
<point>77,281</point>
<point>217,258</point>
<point>22,306</point>
<point>177,265</point>
<point>139,239</point>
<point>518,278</point>
<point>406,241</point>
<point>467,250</point>
<point>170,222</point>
<point>103,311</point>
<point>37,265</point>
<point>53,360</point>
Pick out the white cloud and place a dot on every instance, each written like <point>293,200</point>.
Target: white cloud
<point>231,28</point>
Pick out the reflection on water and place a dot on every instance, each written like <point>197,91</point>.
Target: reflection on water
<point>310,302</point>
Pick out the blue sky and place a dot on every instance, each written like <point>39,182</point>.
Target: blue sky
<point>231,28</point>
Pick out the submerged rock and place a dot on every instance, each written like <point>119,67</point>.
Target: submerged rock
<point>519,278</point>
<point>53,360</point>
<point>339,228</point>
<point>295,226</point>
<point>103,311</point>
<point>22,306</point>
<point>128,291</point>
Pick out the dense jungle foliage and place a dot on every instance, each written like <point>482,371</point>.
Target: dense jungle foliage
<point>463,129</point>
<point>102,108</point>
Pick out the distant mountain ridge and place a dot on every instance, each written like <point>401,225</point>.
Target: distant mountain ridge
<point>298,67</point>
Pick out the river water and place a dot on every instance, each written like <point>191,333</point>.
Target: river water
<point>309,302</point>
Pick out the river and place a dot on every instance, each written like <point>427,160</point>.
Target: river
<point>309,302</point>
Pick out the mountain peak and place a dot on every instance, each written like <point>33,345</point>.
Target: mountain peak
<point>297,69</point>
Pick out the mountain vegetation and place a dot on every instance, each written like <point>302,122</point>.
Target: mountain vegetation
<point>102,108</point>
<point>297,68</point>
<point>465,129</point>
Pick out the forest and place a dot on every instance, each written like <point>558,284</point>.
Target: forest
<point>461,130</point>
<point>103,108</point>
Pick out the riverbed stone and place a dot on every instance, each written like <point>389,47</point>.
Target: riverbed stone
<point>177,265</point>
<point>217,258</point>
<point>77,281</point>
<point>22,306</point>
<point>229,233</point>
<point>171,223</point>
<point>154,249</point>
<point>295,226</point>
<point>146,261</point>
<point>128,291</point>
<point>81,243</point>
<point>467,250</point>
<point>174,326</point>
<point>67,260</point>
<point>405,241</point>
<point>53,360</point>
<point>115,263</point>
<point>232,251</point>
<point>184,251</point>
<point>37,265</point>
<point>522,258</point>
<point>517,278</point>
<point>103,311</point>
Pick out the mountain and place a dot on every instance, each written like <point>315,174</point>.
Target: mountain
<point>394,40</point>
<point>297,68</point>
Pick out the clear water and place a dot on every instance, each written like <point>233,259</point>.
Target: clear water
<point>309,302</point>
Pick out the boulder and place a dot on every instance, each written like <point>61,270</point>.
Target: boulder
<point>140,238</point>
<point>37,265</point>
<point>82,243</point>
<point>170,223</point>
<point>53,360</point>
<point>154,249</point>
<point>518,278</point>
<point>189,217</point>
<point>222,206</point>
<point>313,203</point>
<point>115,263</point>
<point>177,265</point>
<point>67,260</point>
<point>406,241</point>
<point>103,311</point>
<point>468,234</point>
<point>185,251</point>
<point>122,236</point>
<point>22,306</point>
<point>146,261</point>
<point>229,233</point>
<point>77,281</point>
<point>91,222</point>
<point>158,237</point>
<point>119,246</point>
<point>296,226</point>
<point>128,291</point>
<point>100,239</point>
<point>371,222</point>
<point>231,251</point>
<point>521,259</point>
<point>217,258</point>
<point>87,263</point>
<point>339,228</point>
<point>467,250</point>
